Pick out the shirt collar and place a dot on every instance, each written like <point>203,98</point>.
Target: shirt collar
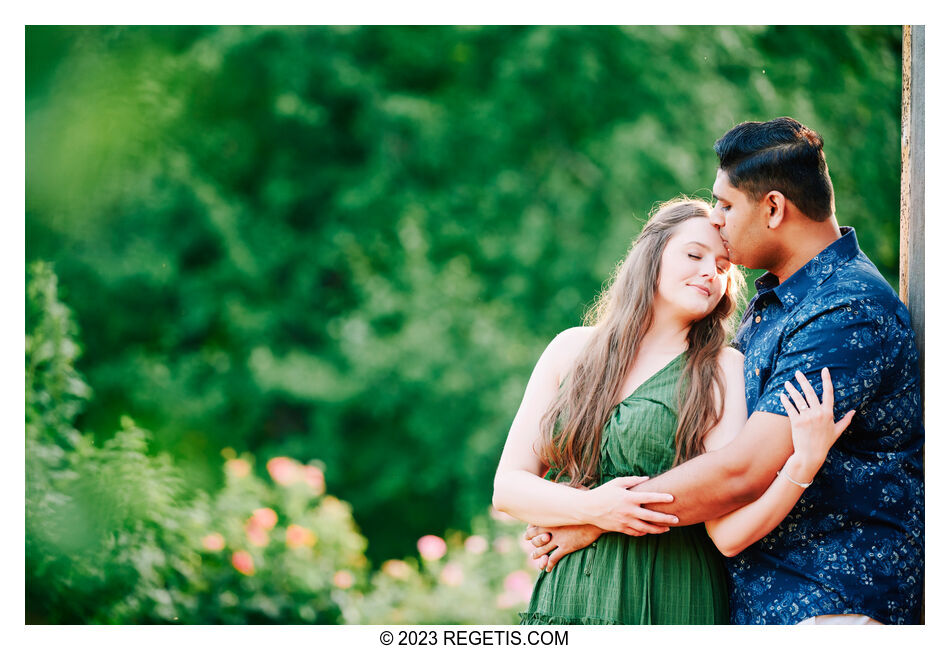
<point>814,273</point>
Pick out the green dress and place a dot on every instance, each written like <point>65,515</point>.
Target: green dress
<point>672,578</point>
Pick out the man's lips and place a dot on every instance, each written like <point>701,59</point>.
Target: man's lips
<point>725,242</point>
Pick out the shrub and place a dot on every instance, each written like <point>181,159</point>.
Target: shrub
<point>483,578</point>
<point>277,551</point>
<point>113,535</point>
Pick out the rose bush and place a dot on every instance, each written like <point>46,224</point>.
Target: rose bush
<point>113,534</point>
<point>482,578</point>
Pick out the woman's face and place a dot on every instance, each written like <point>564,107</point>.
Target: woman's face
<point>693,271</point>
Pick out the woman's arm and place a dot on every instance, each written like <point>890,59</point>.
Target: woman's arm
<point>553,543</point>
<point>520,489</point>
<point>814,431</point>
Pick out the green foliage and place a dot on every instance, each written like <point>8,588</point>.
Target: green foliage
<point>481,579</point>
<point>270,551</point>
<point>354,242</point>
<point>93,513</point>
<point>113,536</point>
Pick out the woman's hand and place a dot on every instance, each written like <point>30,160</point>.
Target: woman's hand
<point>814,430</point>
<point>552,544</point>
<point>614,506</point>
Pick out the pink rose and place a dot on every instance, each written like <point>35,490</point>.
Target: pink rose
<point>343,579</point>
<point>283,470</point>
<point>313,476</point>
<point>213,542</point>
<point>452,574</point>
<point>264,518</point>
<point>476,544</point>
<point>299,537</point>
<point>243,562</point>
<point>237,467</point>
<point>256,535</point>
<point>431,547</point>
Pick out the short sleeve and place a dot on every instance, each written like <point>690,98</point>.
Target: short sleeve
<point>843,338</point>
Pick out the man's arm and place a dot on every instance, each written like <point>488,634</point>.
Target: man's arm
<point>841,335</point>
<point>720,481</point>
<point>705,487</point>
<point>814,431</point>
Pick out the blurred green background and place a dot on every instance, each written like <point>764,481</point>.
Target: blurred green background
<point>347,246</point>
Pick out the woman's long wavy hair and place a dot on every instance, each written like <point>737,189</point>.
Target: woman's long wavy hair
<point>571,427</point>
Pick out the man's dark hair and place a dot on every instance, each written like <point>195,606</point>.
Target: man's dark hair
<point>783,155</point>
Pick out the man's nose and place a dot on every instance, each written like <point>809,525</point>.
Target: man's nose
<point>716,218</point>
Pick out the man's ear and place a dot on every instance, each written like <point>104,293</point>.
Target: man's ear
<point>775,203</point>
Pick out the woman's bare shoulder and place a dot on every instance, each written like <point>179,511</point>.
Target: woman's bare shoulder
<point>564,348</point>
<point>734,411</point>
<point>731,360</point>
<point>571,341</point>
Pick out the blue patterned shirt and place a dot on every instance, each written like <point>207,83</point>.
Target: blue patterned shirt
<point>854,543</point>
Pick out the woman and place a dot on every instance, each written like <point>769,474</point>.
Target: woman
<point>653,365</point>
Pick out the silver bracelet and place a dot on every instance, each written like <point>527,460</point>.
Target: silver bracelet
<point>781,472</point>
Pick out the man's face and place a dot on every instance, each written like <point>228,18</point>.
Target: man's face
<point>741,222</point>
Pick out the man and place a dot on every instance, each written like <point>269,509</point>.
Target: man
<point>851,551</point>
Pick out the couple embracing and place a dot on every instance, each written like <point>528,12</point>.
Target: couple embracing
<point>675,474</point>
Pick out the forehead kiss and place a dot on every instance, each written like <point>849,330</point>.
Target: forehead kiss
<point>700,232</point>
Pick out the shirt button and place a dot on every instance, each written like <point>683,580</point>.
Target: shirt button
<point>758,319</point>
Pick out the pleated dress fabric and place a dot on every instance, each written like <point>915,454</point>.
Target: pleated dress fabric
<point>674,578</point>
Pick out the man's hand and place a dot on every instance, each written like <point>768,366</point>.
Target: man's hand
<point>552,544</point>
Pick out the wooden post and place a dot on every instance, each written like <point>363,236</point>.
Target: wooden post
<point>912,190</point>
<point>912,184</point>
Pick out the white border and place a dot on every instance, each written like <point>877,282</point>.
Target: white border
<point>491,12</point>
